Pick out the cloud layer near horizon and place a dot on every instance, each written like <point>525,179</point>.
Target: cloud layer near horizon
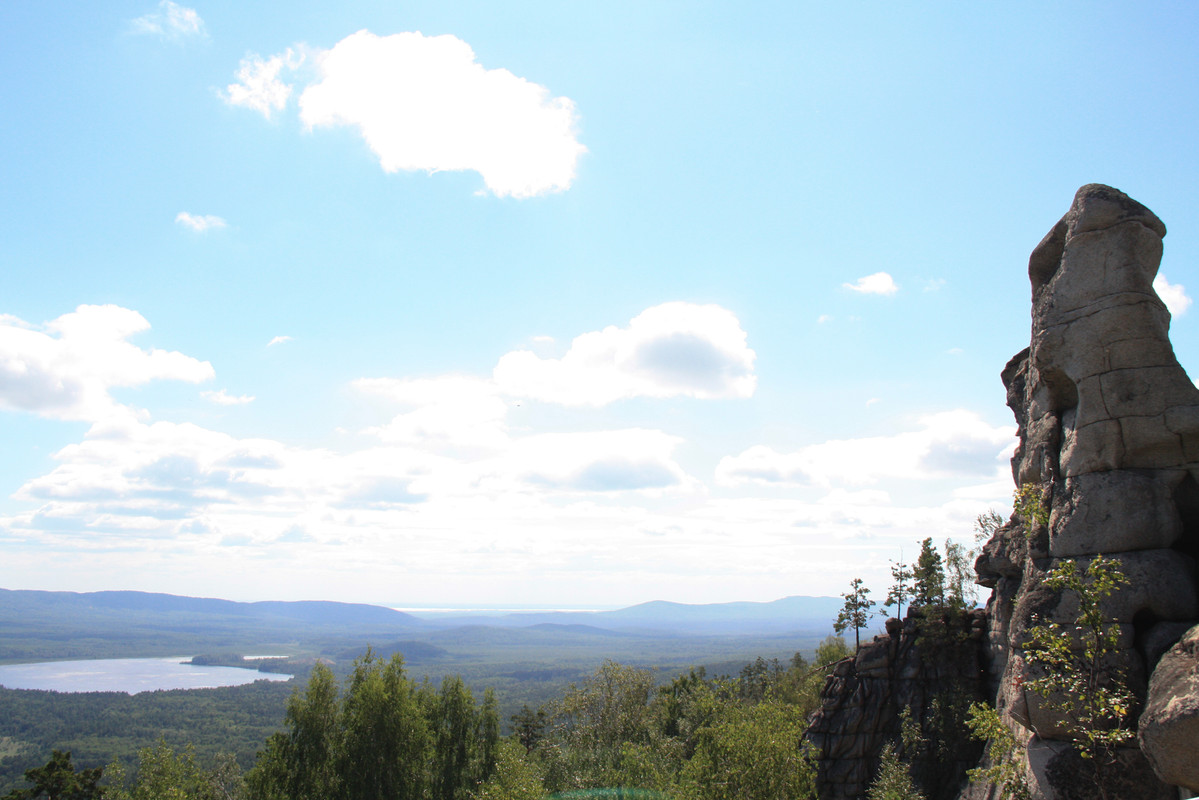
<point>424,103</point>
<point>451,485</point>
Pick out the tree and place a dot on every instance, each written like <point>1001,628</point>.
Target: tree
<point>601,731</point>
<point>901,590</point>
<point>516,777</point>
<point>529,726</point>
<point>893,780</point>
<point>58,780</point>
<point>959,574</point>
<point>928,576</point>
<point>758,753</point>
<point>856,611</point>
<point>385,737</point>
<point>387,741</point>
<point>163,774</point>
<point>1001,769</point>
<point>1080,680</point>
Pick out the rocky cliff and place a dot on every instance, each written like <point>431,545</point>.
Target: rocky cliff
<point>929,666</point>
<point>1108,461</point>
<point>1109,444</point>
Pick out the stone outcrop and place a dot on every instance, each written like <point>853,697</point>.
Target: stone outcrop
<point>1169,727</point>
<point>1109,441</point>
<point>933,668</point>
<point>1107,464</point>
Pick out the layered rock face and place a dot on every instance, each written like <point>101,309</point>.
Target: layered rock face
<point>932,668</point>
<point>1109,441</point>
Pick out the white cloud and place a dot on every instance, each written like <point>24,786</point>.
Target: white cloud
<point>948,444</point>
<point>424,103</point>
<point>675,349</point>
<point>454,411</point>
<point>1174,295</point>
<point>199,222</point>
<point>878,283</point>
<point>934,284</point>
<point>278,340</point>
<point>171,21</point>
<point>460,488</point>
<point>223,398</point>
<point>65,369</point>
<point>258,86</point>
<point>823,318</point>
<point>598,461</point>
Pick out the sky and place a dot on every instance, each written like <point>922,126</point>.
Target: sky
<point>543,304</point>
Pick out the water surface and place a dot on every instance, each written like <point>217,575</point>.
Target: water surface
<point>130,675</point>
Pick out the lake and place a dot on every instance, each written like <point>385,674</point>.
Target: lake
<point>130,675</point>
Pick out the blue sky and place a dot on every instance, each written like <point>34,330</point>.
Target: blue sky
<point>534,303</point>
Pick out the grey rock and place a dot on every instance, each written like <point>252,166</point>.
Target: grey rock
<point>1169,726</point>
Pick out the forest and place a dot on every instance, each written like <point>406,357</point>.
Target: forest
<point>381,733</point>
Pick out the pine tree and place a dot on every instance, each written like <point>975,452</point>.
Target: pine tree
<point>856,611</point>
<point>901,590</point>
<point>929,577</point>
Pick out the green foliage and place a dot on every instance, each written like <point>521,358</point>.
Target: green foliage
<point>598,728</point>
<point>961,591</point>
<point>901,590</point>
<point>385,738</point>
<point>893,780</point>
<point>516,776</point>
<point>928,575</point>
<point>100,727</point>
<point>1002,769</point>
<point>163,774</point>
<point>831,650</point>
<point>986,525</point>
<point>756,753</point>
<point>1029,504</point>
<point>58,780</point>
<point>856,611</point>
<point>1080,681</point>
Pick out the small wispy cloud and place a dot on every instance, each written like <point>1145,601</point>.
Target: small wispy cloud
<point>200,222</point>
<point>171,21</point>
<point>223,398</point>
<point>955,351</point>
<point>278,340</point>
<point>823,318</point>
<point>259,86</point>
<point>1174,295</point>
<point>934,284</point>
<point>878,283</point>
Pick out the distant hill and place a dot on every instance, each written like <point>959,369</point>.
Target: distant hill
<point>660,617</point>
<point>37,625</point>
<point>40,625</point>
<point>313,612</point>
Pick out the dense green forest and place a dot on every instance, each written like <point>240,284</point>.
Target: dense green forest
<point>380,733</point>
<point>98,727</point>
<point>523,668</point>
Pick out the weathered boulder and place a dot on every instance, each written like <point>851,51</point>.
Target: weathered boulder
<point>1169,726</point>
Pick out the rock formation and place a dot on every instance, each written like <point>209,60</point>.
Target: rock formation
<point>932,668</point>
<point>1109,441</point>
<point>1169,728</point>
<point>1108,457</point>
